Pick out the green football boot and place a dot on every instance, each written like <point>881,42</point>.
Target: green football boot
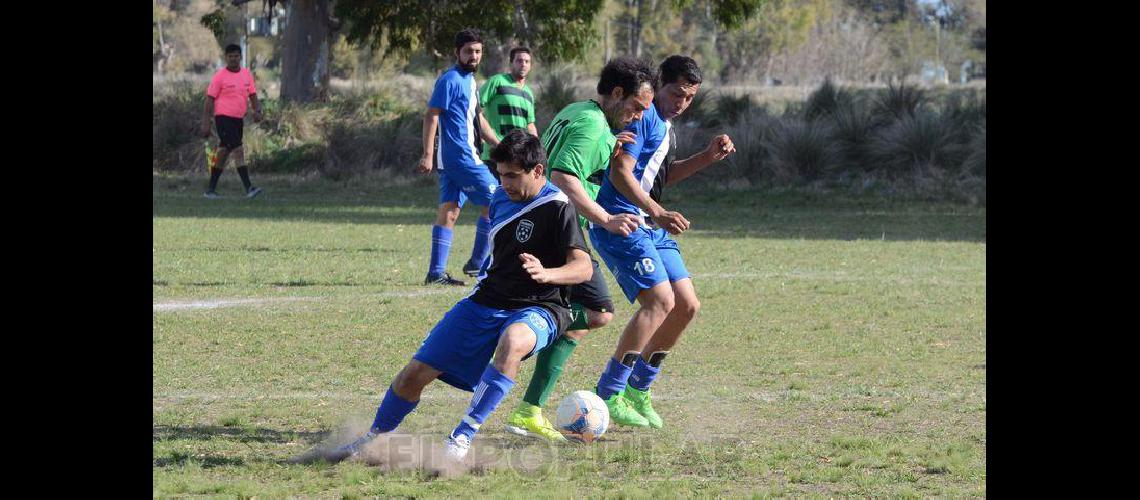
<point>622,413</point>
<point>527,420</point>
<point>639,401</point>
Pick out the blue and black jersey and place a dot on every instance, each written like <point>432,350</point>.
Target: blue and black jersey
<point>546,227</point>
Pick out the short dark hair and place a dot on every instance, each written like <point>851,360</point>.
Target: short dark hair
<point>233,47</point>
<point>516,50</point>
<point>519,147</point>
<point>469,35</point>
<point>628,73</point>
<point>675,66</point>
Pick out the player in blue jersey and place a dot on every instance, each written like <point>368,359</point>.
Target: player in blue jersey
<point>454,110</point>
<point>647,264</point>
<point>519,306</point>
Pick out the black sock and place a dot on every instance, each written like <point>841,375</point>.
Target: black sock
<point>243,171</point>
<point>215,173</point>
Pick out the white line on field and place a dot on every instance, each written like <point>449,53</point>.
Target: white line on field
<point>420,293</point>
<point>216,303</point>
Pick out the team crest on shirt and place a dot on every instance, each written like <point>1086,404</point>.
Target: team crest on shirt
<point>524,230</point>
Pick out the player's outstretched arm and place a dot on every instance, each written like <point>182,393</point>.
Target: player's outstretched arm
<point>577,269</point>
<point>622,224</point>
<point>431,122</point>
<point>719,148</point>
<point>621,175</point>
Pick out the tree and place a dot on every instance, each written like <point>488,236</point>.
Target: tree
<point>884,12</point>
<point>781,27</point>
<point>727,14</point>
<point>181,42</point>
<point>559,30</point>
<point>306,53</point>
<point>161,16</point>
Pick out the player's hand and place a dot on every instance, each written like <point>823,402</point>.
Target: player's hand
<point>424,166</point>
<point>622,224</point>
<point>256,117</point>
<point>673,222</point>
<point>625,137</point>
<point>720,147</point>
<point>533,267</point>
<point>205,131</point>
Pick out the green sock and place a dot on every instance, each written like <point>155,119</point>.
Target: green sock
<point>547,369</point>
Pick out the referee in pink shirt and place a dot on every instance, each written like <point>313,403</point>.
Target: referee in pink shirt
<point>226,97</point>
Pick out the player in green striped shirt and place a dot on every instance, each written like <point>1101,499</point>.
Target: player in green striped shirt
<point>507,101</point>
<point>579,144</point>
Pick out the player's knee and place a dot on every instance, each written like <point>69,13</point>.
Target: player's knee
<point>447,216</point>
<point>598,319</point>
<point>663,302</point>
<point>515,342</point>
<point>410,379</point>
<point>689,307</point>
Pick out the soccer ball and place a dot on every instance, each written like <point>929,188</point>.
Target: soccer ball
<point>582,417</point>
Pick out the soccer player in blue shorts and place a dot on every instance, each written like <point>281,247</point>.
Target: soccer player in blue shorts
<point>579,144</point>
<point>519,306</point>
<point>454,110</point>
<point>647,264</point>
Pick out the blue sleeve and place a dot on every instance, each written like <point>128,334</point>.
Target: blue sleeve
<point>634,148</point>
<point>441,96</point>
<point>492,209</point>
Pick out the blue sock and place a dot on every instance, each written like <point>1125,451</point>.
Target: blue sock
<point>613,379</point>
<point>492,388</point>
<point>482,242</point>
<point>440,247</point>
<point>391,412</point>
<point>642,375</point>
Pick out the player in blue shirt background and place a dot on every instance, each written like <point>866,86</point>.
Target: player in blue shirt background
<point>454,110</point>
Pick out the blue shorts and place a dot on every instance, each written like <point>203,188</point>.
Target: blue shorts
<point>464,341</point>
<point>460,182</point>
<point>641,260</point>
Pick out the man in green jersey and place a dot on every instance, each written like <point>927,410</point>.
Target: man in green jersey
<point>579,143</point>
<point>508,102</point>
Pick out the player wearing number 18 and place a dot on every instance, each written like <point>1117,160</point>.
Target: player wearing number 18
<point>647,263</point>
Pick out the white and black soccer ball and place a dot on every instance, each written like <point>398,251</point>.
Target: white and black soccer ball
<point>582,417</point>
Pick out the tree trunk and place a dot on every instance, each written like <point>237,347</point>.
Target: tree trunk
<point>306,53</point>
<point>768,80</point>
<point>637,31</point>
<point>607,41</point>
<point>163,51</point>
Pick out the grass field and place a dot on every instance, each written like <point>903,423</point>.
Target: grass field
<point>841,349</point>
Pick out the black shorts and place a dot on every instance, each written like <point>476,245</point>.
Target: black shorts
<point>229,131</point>
<point>593,294</point>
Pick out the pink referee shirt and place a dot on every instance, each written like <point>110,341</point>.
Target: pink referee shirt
<point>231,92</point>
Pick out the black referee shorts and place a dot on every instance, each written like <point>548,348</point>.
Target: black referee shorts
<point>229,131</point>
